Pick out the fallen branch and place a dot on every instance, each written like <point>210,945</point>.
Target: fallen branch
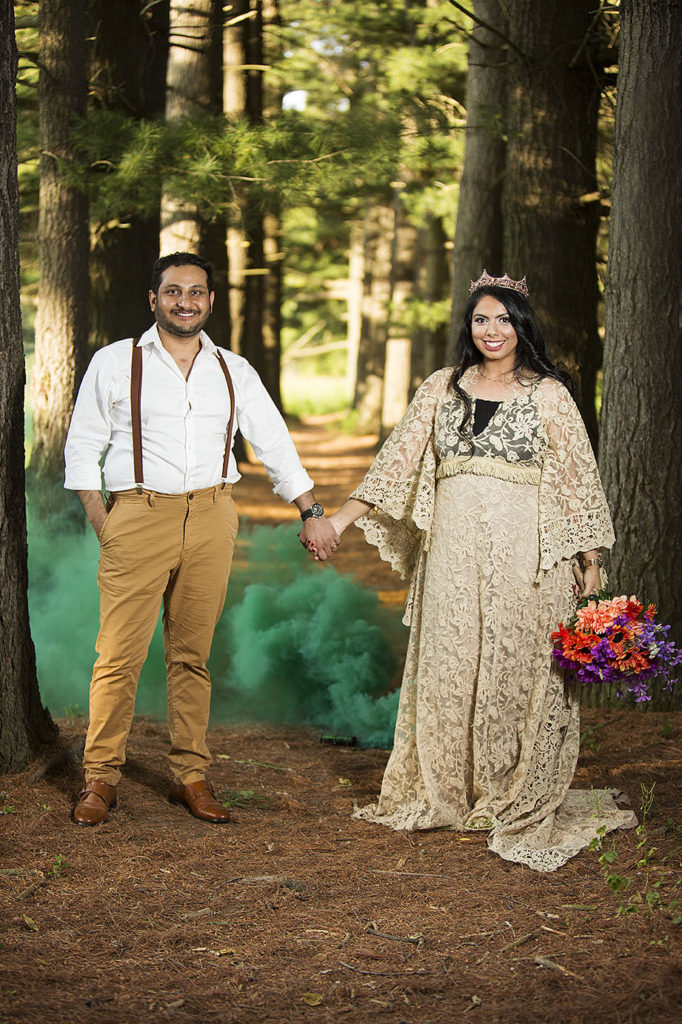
<point>385,974</point>
<point>543,961</point>
<point>415,940</point>
<point>32,888</point>
<point>521,939</point>
<point>414,874</point>
<point>194,914</point>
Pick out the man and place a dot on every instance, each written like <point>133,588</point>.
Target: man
<point>160,412</point>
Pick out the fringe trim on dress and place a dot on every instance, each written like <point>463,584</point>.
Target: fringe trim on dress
<point>478,465</point>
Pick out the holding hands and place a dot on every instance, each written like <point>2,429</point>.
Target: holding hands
<point>322,536</point>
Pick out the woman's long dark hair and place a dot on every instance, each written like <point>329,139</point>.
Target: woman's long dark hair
<point>531,349</point>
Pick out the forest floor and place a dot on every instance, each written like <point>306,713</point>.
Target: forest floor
<point>297,912</point>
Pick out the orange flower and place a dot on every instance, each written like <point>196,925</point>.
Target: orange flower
<point>636,662</point>
<point>578,646</point>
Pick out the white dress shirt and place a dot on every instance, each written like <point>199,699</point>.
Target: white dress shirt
<point>184,423</point>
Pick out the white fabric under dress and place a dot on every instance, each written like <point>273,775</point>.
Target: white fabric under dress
<point>487,734</point>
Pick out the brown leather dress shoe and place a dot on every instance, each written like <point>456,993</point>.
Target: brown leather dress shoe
<point>94,802</point>
<point>199,799</point>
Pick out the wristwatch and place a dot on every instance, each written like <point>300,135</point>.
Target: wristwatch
<point>314,512</point>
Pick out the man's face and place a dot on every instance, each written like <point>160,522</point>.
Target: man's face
<point>183,302</point>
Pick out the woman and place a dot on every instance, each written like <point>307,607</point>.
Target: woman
<point>484,494</point>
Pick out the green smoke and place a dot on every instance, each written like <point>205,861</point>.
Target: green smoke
<point>297,643</point>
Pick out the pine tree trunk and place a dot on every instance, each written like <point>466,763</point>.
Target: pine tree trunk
<point>641,417</point>
<point>127,73</point>
<point>378,244</point>
<point>24,723</point>
<point>194,88</point>
<point>190,92</point>
<point>479,230</point>
<point>253,238</point>
<point>551,198</point>
<point>62,320</point>
<point>397,371</point>
<point>429,345</point>
<point>270,53</point>
<point>356,265</point>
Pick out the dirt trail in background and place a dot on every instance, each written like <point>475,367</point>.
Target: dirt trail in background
<point>295,911</point>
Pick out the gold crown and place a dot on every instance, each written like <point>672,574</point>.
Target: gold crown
<point>500,282</point>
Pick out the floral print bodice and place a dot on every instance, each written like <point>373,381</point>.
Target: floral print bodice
<point>515,432</point>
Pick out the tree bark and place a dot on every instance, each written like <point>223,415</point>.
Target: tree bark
<point>253,237</point>
<point>24,723</point>
<point>551,193</point>
<point>479,231</point>
<point>356,263</point>
<point>430,344</point>
<point>271,52</point>
<point>62,319</point>
<point>641,417</point>
<point>194,88</point>
<point>127,73</point>
<point>369,387</point>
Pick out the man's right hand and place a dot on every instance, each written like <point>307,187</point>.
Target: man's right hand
<point>94,508</point>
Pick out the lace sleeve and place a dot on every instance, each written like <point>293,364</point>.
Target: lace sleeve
<point>400,483</point>
<point>574,515</point>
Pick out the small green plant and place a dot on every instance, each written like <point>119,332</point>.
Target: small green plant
<point>73,711</point>
<point>59,863</point>
<point>617,883</point>
<point>652,896</point>
<point>5,808</point>
<point>588,738</point>
<point>666,727</point>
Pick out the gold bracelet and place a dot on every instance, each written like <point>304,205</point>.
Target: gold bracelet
<point>587,562</point>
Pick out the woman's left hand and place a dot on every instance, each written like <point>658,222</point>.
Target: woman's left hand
<point>591,581</point>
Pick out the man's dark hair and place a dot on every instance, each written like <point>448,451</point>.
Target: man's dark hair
<point>180,259</point>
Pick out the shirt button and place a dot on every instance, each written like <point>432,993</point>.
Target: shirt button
<point>190,496</point>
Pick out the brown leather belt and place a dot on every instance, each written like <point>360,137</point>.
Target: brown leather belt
<point>136,413</point>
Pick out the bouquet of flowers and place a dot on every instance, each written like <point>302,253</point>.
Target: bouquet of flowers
<point>616,640</point>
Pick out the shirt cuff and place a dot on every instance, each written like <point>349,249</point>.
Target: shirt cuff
<point>293,486</point>
<point>83,480</point>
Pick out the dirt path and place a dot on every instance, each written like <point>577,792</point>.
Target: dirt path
<point>297,912</point>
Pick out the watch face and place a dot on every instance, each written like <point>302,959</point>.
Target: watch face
<point>314,512</point>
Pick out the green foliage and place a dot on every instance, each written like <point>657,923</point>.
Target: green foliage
<point>208,160</point>
<point>649,895</point>
<point>314,395</point>
<point>6,808</point>
<point>59,864</point>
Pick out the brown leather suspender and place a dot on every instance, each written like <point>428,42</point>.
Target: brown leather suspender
<point>136,413</point>
<point>230,426</point>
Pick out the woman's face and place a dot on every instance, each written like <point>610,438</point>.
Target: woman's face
<point>493,334</point>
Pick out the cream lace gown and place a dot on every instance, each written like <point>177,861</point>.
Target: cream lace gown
<point>487,733</point>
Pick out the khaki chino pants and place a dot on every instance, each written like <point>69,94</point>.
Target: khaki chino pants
<point>177,549</point>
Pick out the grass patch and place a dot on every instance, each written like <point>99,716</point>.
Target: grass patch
<point>314,394</point>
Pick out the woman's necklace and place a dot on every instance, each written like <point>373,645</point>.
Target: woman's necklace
<point>497,380</point>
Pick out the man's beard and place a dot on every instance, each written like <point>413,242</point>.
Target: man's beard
<point>177,328</point>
